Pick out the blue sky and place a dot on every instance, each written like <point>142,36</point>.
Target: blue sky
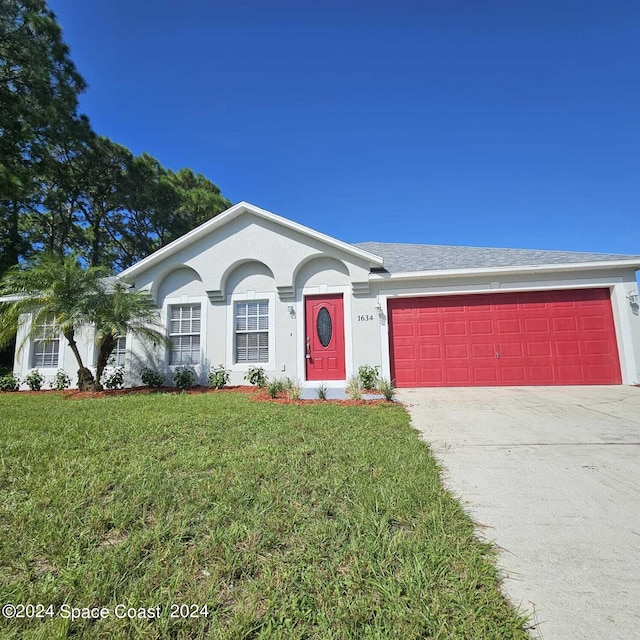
<point>513,124</point>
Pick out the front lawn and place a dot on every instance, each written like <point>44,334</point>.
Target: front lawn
<point>319,521</point>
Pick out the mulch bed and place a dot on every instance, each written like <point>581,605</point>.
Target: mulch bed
<point>256,394</point>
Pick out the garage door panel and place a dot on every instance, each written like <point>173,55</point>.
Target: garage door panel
<point>510,349</point>
<point>485,375</point>
<point>456,351</point>
<point>569,324</point>
<point>536,325</point>
<point>570,374</point>
<point>430,352</point>
<point>454,328</point>
<point>513,375</point>
<point>432,377</point>
<point>552,337</point>
<point>567,348</point>
<point>459,375</point>
<point>541,348</point>
<point>597,347</point>
<point>429,328</point>
<point>408,352</point>
<point>404,330</point>
<point>508,326</point>
<point>479,350</point>
<point>480,327</point>
<point>593,323</point>
<point>541,374</point>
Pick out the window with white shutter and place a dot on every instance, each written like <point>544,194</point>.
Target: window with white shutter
<point>46,344</point>
<point>252,331</point>
<point>184,333</point>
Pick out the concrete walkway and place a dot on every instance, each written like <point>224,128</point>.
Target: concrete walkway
<point>552,475</point>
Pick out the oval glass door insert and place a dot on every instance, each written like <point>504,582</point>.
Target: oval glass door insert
<point>324,327</point>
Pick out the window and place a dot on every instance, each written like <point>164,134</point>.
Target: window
<point>184,333</point>
<point>46,344</point>
<point>119,352</point>
<point>252,331</point>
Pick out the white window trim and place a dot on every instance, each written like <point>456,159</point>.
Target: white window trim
<point>93,353</point>
<point>250,296</point>
<point>31,352</point>
<point>169,302</point>
<point>126,351</point>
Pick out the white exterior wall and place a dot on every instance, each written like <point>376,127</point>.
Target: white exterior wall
<point>254,259</point>
<point>251,257</point>
<point>66,360</point>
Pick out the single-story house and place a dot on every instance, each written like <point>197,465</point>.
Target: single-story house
<point>249,288</point>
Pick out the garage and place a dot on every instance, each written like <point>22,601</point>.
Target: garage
<point>562,337</point>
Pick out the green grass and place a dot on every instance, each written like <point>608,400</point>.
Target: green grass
<point>319,522</point>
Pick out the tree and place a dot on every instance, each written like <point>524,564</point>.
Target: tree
<point>70,297</point>
<point>39,88</point>
<point>50,290</point>
<point>116,310</point>
<point>160,206</point>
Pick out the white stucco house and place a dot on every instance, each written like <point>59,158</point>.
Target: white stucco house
<point>250,288</point>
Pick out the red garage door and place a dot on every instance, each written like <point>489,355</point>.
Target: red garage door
<point>538,338</point>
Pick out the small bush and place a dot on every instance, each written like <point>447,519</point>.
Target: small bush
<point>387,388</point>
<point>9,382</point>
<point>368,376</point>
<point>113,378</point>
<point>183,378</point>
<point>151,378</point>
<point>353,388</point>
<point>292,388</point>
<point>321,391</point>
<point>60,381</point>
<point>274,387</point>
<point>256,376</point>
<point>219,377</point>
<point>34,379</point>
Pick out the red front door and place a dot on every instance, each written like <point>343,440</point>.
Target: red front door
<point>324,337</point>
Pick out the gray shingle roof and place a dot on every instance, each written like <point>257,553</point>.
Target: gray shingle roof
<point>399,257</point>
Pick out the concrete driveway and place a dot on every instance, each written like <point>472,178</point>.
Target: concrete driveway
<point>552,476</point>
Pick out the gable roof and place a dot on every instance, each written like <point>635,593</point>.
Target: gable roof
<point>411,258</point>
<point>388,259</point>
<point>231,214</point>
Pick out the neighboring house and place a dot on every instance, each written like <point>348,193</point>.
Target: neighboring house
<point>250,288</point>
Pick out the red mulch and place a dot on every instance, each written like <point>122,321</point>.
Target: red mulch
<point>258,395</point>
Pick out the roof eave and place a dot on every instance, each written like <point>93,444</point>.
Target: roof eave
<point>232,213</point>
<point>484,271</point>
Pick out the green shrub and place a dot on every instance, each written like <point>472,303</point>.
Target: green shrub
<point>353,388</point>
<point>256,376</point>
<point>321,391</point>
<point>274,387</point>
<point>219,377</point>
<point>9,382</point>
<point>113,378</point>
<point>368,376</point>
<point>151,378</point>
<point>387,388</point>
<point>34,379</point>
<point>292,388</point>
<point>183,377</point>
<point>60,381</point>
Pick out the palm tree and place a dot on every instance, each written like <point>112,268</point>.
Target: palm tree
<point>49,289</point>
<point>72,297</point>
<point>115,310</point>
